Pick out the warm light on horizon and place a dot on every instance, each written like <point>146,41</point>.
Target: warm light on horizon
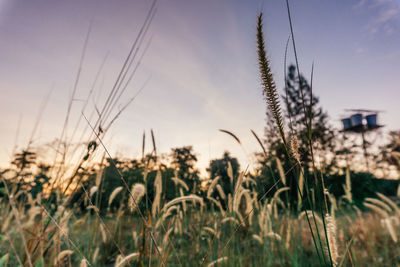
<point>199,72</point>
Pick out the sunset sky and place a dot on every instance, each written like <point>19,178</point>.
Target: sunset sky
<point>201,66</point>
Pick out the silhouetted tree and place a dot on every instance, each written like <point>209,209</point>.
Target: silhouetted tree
<point>24,159</point>
<point>391,151</point>
<point>184,160</point>
<point>219,167</point>
<point>322,133</point>
<point>42,180</point>
<point>301,108</point>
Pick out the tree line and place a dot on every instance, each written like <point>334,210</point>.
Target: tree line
<point>273,162</point>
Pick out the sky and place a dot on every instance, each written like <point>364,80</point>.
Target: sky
<point>199,72</point>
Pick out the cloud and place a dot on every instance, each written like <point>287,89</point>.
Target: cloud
<point>385,16</point>
<point>360,50</point>
<point>360,4</point>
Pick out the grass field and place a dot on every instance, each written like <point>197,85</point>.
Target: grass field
<point>88,208</point>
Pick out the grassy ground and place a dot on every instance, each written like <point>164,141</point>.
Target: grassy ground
<point>270,236</point>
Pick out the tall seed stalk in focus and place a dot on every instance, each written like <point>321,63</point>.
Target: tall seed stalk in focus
<point>272,98</point>
<point>269,87</point>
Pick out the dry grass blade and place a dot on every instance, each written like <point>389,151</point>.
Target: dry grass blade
<point>310,109</point>
<point>259,142</point>
<point>280,190</point>
<point>346,251</point>
<point>231,134</point>
<point>69,109</point>
<point>143,144</point>
<point>154,142</point>
<point>286,87</point>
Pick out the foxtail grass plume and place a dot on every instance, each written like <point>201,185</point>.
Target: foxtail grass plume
<point>114,194</point>
<point>378,209</point>
<point>347,187</point>
<point>212,186</point>
<point>93,191</point>
<point>301,187</point>
<point>95,254</point>
<point>180,182</point>
<point>230,172</point>
<point>183,203</point>
<point>281,171</point>
<point>137,192</point>
<point>269,88</point>
<point>61,255</point>
<point>182,199</point>
<point>218,204</point>
<point>294,147</point>
<point>389,226</point>
<point>127,259</point>
<point>379,203</point>
<point>389,202</point>
<point>221,191</point>
<point>331,233</point>
<point>84,263</point>
<point>216,262</point>
<point>311,215</point>
<point>157,199</point>
<point>258,239</point>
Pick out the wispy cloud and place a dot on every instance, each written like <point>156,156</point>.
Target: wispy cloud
<point>360,4</point>
<point>360,50</point>
<point>385,16</point>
